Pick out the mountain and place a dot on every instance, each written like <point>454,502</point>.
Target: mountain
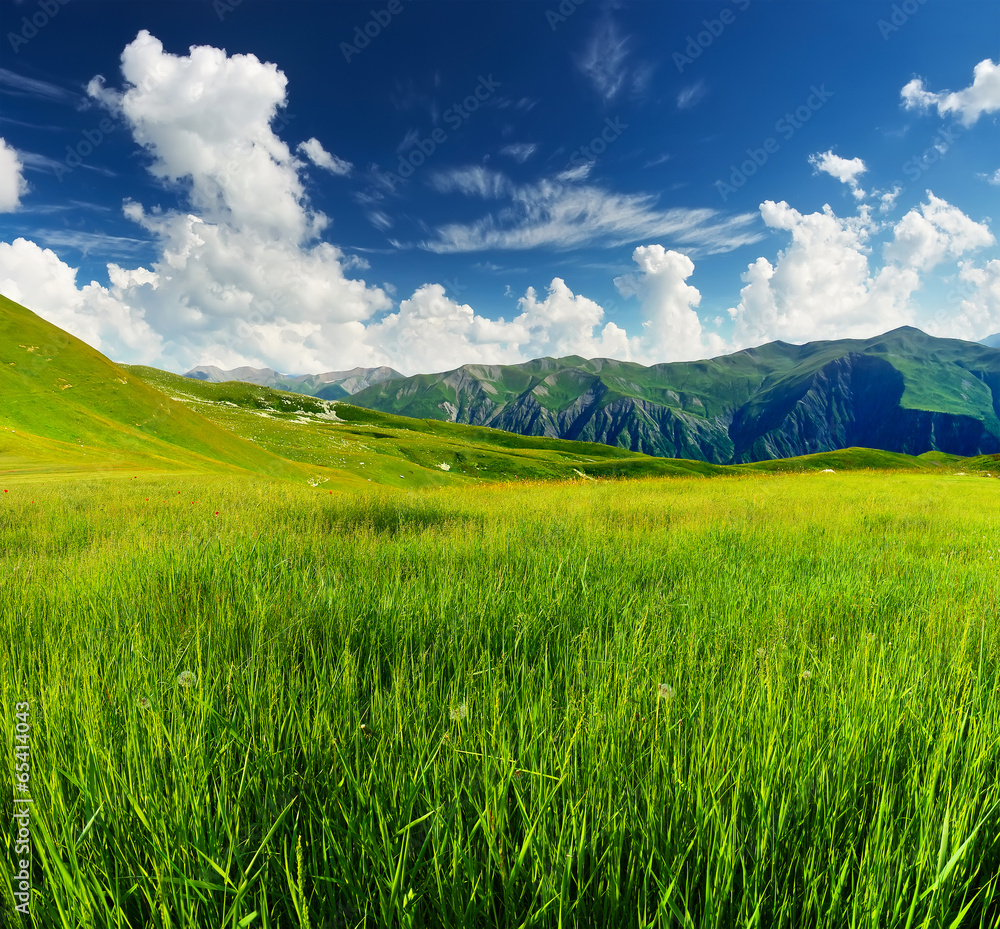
<point>64,406</point>
<point>903,391</point>
<point>991,341</point>
<point>329,386</point>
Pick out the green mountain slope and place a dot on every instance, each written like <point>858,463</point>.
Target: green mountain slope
<point>903,392</point>
<point>64,404</point>
<point>355,445</point>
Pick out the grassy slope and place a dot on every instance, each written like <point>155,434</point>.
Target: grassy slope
<point>365,445</point>
<point>66,405</point>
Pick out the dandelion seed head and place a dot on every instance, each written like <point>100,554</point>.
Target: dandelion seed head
<point>458,712</point>
<point>187,679</point>
<point>806,675</point>
<point>143,702</point>
<point>666,691</point>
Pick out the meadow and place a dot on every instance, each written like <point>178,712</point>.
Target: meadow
<point>758,700</point>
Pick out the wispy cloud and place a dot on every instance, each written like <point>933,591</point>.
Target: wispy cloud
<point>13,83</point>
<point>34,161</point>
<point>519,151</point>
<point>87,242</point>
<point>658,160</point>
<point>553,214</point>
<point>604,61</point>
<point>474,181</point>
<point>691,96</point>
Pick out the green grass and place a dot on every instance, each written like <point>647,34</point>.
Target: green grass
<point>827,755</point>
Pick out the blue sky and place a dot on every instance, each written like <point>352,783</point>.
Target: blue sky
<point>312,186</point>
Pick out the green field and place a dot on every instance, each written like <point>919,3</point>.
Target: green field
<point>754,700</point>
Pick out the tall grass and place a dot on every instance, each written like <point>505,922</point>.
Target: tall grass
<point>445,709</point>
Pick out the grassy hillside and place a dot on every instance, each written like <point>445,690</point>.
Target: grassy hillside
<point>66,405</point>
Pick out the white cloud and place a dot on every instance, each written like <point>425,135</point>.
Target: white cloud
<point>691,96</point>
<point>432,332</point>
<point>924,238</point>
<point>474,181</point>
<point>577,173</point>
<point>520,151</point>
<point>845,170</point>
<point>38,279</point>
<point>993,178</point>
<point>822,285</point>
<point>603,61</point>
<point>240,277</point>
<point>887,199</point>
<point>982,96</point>
<point>12,183</point>
<point>320,157</point>
<point>978,291</point>
<point>555,214</point>
<point>672,329</point>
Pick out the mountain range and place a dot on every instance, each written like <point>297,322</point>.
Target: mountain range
<point>333,385</point>
<point>904,391</point>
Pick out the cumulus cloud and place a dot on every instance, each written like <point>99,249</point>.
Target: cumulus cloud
<point>12,183</point>
<point>980,97</point>
<point>671,327</point>
<point>432,332</point>
<point>240,275</point>
<point>823,286</point>
<point>978,294</point>
<point>924,237</point>
<point>845,170</point>
<point>319,156</point>
<point>37,278</point>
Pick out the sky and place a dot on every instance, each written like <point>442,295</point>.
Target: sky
<point>312,186</point>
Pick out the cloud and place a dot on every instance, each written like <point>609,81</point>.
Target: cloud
<point>432,332</point>
<point>845,170</point>
<point>993,178</point>
<point>982,96</point>
<point>691,96</point>
<point>978,290</point>
<point>238,276</point>
<point>320,157</point>
<point>924,237</point>
<point>603,62</point>
<point>822,285</point>
<point>12,183</point>
<point>38,279</point>
<point>887,199</point>
<point>520,151</point>
<point>474,181</point>
<point>21,86</point>
<point>558,215</point>
<point>672,329</point>
<point>577,173</point>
